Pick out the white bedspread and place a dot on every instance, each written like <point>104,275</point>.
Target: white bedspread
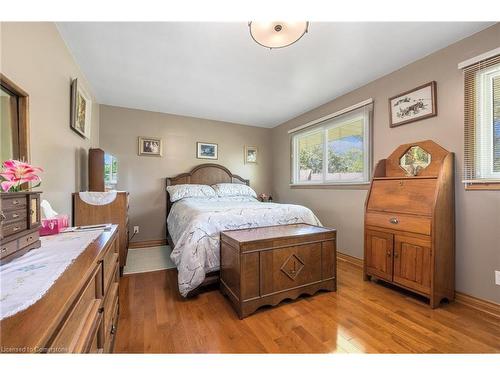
<point>195,224</point>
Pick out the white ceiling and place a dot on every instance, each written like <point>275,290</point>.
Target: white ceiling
<point>216,71</point>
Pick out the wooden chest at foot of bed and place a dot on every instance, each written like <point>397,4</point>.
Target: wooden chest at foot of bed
<point>264,266</point>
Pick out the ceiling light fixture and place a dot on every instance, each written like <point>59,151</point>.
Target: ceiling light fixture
<point>277,34</point>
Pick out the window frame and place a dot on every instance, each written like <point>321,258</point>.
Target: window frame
<point>473,177</point>
<point>364,113</point>
<point>484,121</point>
<point>295,166</point>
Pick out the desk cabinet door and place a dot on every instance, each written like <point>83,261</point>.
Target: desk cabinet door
<point>379,247</point>
<point>34,211</point>
<point>412,263</point>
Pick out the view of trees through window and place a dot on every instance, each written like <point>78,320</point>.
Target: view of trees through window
<point>311,157</point>
<point>344,153</point>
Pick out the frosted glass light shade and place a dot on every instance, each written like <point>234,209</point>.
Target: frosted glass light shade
<point>277,34</point>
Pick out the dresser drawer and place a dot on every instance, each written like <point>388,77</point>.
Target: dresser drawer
<point>110,266</point>
<point>8,248</point>
<point>77,333</point>
<point>16,215</point>
<point>110,309</point>
<point>13,203</point>
<point>407,223</point>
<point>14,228</point>
<point>94,346</point>
<point>18,246</point>
<point>28,239</point>
<point>109,336</point>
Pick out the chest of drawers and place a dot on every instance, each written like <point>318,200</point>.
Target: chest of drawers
<point>115,212</point>
<point>19,224</point>
<point>79,313</point>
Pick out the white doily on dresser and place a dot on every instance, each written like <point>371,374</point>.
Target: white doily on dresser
<point>25,280</point>
<point>98,198</point>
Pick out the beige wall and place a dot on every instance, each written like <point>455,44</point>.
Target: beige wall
<point>144,176</point>
<point>477,213</point>
<point>34,56</point>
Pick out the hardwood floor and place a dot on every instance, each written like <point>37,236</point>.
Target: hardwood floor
<point>361,317</point>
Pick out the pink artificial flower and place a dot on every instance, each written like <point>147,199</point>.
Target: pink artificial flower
<point>15,173</point>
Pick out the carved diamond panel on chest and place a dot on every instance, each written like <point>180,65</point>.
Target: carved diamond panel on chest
<point>292,266</point>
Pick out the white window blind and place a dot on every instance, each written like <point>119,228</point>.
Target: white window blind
<point>336,151</point>
<point>482,124</point>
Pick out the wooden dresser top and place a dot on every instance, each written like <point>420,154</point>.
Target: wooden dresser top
<point>34,326</point>
<point>275,232</point>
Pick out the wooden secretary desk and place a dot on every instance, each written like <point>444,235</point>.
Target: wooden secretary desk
<point>410,221</point>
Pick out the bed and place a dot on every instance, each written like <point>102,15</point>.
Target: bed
<point>194,224</point>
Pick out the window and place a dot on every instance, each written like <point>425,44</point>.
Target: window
<point>482,125</point>
<point>334,151</point>
<point>488,120</point>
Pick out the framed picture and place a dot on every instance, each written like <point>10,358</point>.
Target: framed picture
<point>80,110</point>
<point>150,146</point>
<point>206,150</point>
<point>250,154</point>
<point>417,104</point>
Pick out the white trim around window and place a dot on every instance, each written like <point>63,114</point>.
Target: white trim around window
<point>485,140</point>
<point>332,115</point>
<point>335,152</point>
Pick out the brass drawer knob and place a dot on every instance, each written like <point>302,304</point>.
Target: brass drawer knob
<point>16,229</point>
<point>388,253</point>
<point>4,249</point>
<point>15,216</point>
<point>15,202</point>
<point>393,220</point>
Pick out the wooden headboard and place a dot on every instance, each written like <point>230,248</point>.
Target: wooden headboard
<point>204,174</point>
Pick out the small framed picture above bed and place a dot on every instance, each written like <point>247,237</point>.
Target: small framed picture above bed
<point>250,155</point>
<point>149,146</point>
<point>207,150</point>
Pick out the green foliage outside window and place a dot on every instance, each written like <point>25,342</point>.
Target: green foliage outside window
<point>311,159</point>
<point>350,161</point>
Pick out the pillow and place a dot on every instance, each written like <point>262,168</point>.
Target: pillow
<point>190,190</point>
<point>232,190</point>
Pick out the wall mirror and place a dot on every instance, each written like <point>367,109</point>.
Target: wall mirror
<point>14,127</point>
<point>414,160</point>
